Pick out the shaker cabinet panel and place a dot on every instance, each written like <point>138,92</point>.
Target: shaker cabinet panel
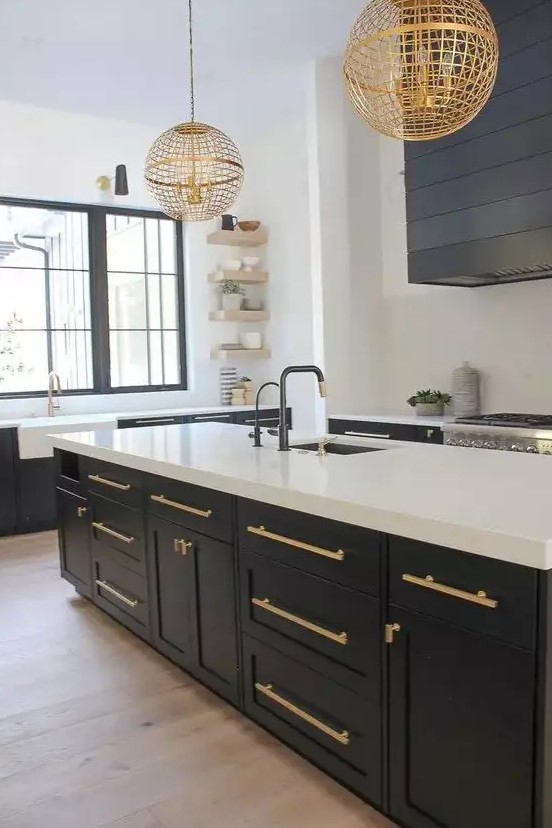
<point>461,727</point>
<point>74,540</point>
<point>215,657</point>
<point>171,572</point>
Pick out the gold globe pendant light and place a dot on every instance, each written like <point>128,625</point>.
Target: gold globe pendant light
<point>421,69</point>
<point>193,170</point>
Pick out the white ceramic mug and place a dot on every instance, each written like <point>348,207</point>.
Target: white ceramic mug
<point>251,340</point>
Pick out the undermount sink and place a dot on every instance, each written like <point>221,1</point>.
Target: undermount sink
<point>337,448</point>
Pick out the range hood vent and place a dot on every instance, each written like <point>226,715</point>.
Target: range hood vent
<point>479,202</point>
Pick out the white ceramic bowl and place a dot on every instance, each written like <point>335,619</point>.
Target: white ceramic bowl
<point>232,264</point>
<point>250,262</point>
<point>252,341</point>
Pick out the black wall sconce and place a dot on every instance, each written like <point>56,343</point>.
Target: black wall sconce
<point>103,182</point>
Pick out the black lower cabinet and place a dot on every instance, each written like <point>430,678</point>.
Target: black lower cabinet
<point>36,495</point>
<point>74,540</point>
<point>7,481</point>
<point>461,727</point>
<point>335,728</point>
<point>213,601</point>
<point>171,570</point>
<point>193,600</point>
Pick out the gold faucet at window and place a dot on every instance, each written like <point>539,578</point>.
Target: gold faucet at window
<point>54,387</point>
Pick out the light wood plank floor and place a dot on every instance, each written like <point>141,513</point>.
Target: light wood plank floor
<point>96,729</point>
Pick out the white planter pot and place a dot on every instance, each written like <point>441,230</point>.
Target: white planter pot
<point>231,301</point>
<point>430,409</point>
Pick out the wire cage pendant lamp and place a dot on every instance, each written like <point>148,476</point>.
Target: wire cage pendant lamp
<point>421,69</point>
<point>193,170</point>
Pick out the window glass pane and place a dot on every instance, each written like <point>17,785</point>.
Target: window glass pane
<point>59,235</point>
<point>154,301</point>
<point>72,358</point>
<point>156,354</point>
<point>171,360</point>
<point>127,300</point>
<point>152,244</point>
<point>23,295</point>
<point>128,358</point>
<point>69,299</point>
<point>23,361</point>
<point>168,246</point>
<point>126,244</point>
<point>170,301</point>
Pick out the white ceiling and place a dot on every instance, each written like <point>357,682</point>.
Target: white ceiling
<point>128,58</point>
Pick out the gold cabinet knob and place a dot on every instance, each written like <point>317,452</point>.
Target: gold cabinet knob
<point>81,511</point>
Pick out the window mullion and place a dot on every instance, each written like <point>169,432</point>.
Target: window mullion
<point>99,299</point>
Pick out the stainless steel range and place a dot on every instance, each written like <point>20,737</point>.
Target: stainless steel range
<point>531,433</point>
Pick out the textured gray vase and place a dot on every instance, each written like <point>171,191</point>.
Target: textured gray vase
<point>465,391</point>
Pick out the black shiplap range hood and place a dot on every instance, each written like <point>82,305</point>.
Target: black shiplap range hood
<point>479,203</point>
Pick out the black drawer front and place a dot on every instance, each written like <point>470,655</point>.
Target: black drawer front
<point>120,529</point>
<point>216,417</point>
<point>339,626</point>
<point>421,577</point>
<point>342,553</point>
<point>203,510</point>
<point>118,483</point>
<point>339,730</point>
<point>121,592</point>
<point>385,431</point>
<point>144,422</point>
<point>268,417</point>
<point>430,434</point>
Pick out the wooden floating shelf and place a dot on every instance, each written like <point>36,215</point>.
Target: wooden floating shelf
<point>239,238</point>
<point>239,316</point>
<point>241,353</point>
<point>244,277</point>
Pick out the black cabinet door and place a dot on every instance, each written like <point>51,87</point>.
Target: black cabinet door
<point>215,657</point>
<point>7,481</point>
<point>74,540</point>
<point>171,570</point>
<point>461,727</point>
<point>36,501</point>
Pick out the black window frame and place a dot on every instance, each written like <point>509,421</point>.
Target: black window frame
<point>99,308</point>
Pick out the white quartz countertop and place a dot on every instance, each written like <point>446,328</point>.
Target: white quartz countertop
<point>400,418</point>
<point>495,504</point>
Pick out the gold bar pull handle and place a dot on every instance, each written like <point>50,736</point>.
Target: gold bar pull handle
<point>204,513</point>
<point>390,630</point>
<point>338,555</point>
<point>101,527</point>
<point>96,478</point>
<point>182,546</point>
<point>429,582</point>
<point>341,736</point>
<point>266,604</point>
<point>130,602</point>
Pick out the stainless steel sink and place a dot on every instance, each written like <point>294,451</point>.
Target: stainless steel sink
<point>336,448</point>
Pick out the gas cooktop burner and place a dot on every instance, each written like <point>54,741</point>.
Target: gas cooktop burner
<point>509,420</point>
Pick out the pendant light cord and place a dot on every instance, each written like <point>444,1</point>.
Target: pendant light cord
<point>192,100</point>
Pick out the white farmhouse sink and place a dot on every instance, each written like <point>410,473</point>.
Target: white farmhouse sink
<point>32,434</point>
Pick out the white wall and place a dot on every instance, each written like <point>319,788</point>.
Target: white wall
<point>56,155</point>
<point>505,331</point>
<point>345,238</point>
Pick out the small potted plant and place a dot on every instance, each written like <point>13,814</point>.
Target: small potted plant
<point>429,403</point>
<point>231,295</point>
